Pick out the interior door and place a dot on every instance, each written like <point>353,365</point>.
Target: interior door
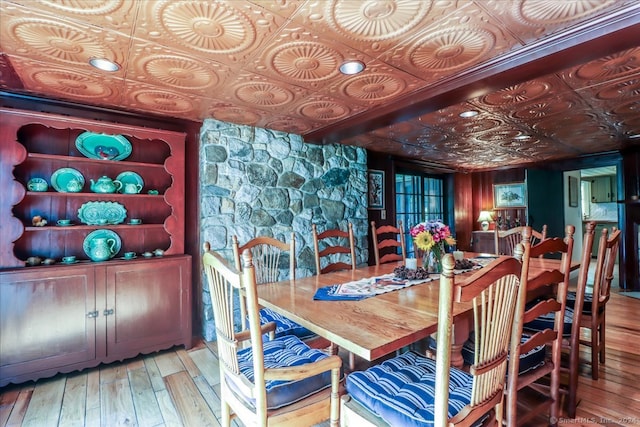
<point>545,193</point>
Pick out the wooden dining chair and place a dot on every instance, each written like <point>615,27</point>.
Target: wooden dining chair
<point>272,257</point>
<point>387,239</point>
<point>540,321</point>
<point>333,242</point>
<point>278,382</point>
<point>330,241</point>
<point>594,304</point>
<point>412,389</point>
<point>506,240</point>
<point>575,305</point>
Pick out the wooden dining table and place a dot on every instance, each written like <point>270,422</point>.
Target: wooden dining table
<point>378,325</point>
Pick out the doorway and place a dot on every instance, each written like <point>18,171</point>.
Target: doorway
<point>597,202</point>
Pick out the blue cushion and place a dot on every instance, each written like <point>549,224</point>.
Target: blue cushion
<point>587,304</point>
<point>401,390</point>
<point>528,361</point>
<point>282,352</point>
<point>284,326</point>
<point>545,321</point>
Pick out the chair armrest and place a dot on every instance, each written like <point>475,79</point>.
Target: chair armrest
<point>269,328</point>
<point>303,371</point>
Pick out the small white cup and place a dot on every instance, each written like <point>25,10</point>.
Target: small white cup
<point>458,255</point>
<point>411,263</point>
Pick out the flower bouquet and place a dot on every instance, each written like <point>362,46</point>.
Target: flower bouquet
<point>430,237</point>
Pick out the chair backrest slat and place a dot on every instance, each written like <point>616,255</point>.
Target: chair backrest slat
<point>333,242</point>
<point>268,257</point>
<point>385,237</point>
<point>511,237</point>
<point>605,264</point>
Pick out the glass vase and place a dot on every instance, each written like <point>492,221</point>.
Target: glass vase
<point>432,260</point>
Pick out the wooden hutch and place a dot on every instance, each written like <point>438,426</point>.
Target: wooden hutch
<point>60,318</point>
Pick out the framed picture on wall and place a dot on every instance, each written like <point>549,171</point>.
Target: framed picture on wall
<point>376,189</point>
<point>513,195</point>
<point>573,192</point>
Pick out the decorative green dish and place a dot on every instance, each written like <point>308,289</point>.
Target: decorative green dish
<point>102,146</point>
<point>96,213</point>
<point>67,180</point>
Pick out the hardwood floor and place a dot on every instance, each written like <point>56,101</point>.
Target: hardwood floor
<point>180,388</point>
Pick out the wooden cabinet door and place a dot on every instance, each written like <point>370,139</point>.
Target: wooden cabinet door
<point>147,306</point>
<point>601,189</point>
<point>47,321</point>
<point>483,241</point>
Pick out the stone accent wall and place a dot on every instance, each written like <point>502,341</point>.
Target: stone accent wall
<point>258,182</point>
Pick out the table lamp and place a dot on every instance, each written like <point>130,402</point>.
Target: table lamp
<point>484,219</point>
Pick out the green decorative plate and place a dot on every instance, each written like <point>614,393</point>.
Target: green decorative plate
<point>129,177</point>
<point>67,180</point>
<point>102,146</point>
<point>95,213</point>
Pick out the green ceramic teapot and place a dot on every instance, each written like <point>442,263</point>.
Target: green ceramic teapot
<point>105,184</point>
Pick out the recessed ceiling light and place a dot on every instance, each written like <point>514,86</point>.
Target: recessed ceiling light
<point>634,136</point>
<point>521,137</point>
<point>467,114</point>
<point>104,64</point>
<point>351,67</point>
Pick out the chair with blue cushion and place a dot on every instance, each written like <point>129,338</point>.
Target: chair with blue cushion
<point>593,310</point>
<point>543,323</point>
<point>414,390</point>
<point>272,259</point>
<point>280,382</point>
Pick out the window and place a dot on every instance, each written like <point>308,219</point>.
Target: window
<point>419,197</point>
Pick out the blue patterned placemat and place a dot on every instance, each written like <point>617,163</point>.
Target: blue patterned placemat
<point>372,286</point>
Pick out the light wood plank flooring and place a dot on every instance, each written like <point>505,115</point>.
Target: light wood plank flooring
<point>180,388</point>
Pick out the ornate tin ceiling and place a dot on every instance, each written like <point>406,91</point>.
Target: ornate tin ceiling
<point>549,79</point>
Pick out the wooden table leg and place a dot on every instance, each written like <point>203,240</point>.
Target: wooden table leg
<point>461,328</point>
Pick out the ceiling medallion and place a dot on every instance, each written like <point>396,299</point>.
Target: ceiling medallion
<point>179,72</point>
<point>73,84</point>
<point>207,26</point>
<point>517,94</point>
<point>52,40</point>
<point>560,12</point>
<point>166,102</point>
<point>610,66</point>
<point>375,19</point>
<point>263,94</point>
<point>235,115</point>
<point>323,110</point>
<point>451,49</point>
<point>371,87</point>
<point>289,125</point>
<point>306,61</point>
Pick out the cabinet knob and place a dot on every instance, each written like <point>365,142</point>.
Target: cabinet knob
<point>92,314</point>
<point>108,311</point>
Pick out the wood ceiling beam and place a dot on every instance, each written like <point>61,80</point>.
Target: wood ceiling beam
<point>589,41</point>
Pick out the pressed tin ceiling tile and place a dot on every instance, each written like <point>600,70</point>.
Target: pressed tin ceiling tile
<point>549,79</point>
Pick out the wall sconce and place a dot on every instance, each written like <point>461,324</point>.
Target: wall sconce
<point>484,219</point>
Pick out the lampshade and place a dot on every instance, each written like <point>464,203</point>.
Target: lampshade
<point>485,218</point>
